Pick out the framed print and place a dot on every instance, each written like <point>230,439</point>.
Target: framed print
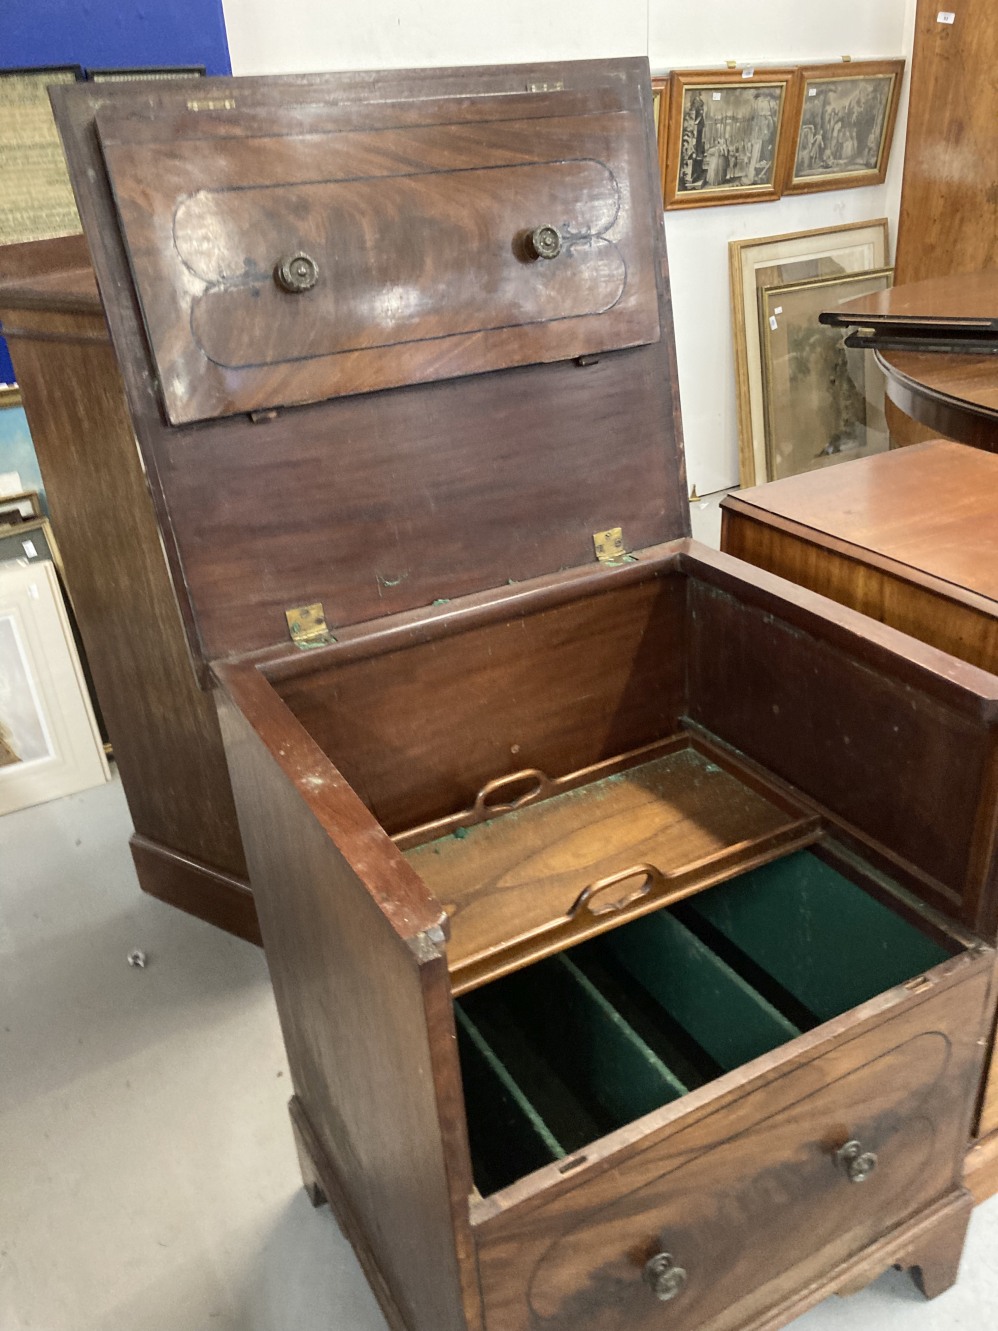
<point>779,261</point>
<point>29,541</point>
<point>660,111</point>
<point>842,124</point>
<point>727,139</point>
<point>18,508</point>
<point>36,200</point>
<point>824,401</point>
<point>49,741</point>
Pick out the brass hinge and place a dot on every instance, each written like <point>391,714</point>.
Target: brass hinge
<point>609,547</point>
<point>308,627</point>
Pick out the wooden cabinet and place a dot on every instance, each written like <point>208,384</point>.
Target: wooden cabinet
<point>164,730</point>
<point>949,206</point>
<point>911,539</point>
<point>630,912</point>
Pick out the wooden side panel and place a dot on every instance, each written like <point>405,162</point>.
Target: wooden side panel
<point>163,727</point>
<point>929,612</point>
<point>885,751</point>
<point>749,1200</point>
<point>363,998</point>
<point>418,731</point>
<point>949,210</point>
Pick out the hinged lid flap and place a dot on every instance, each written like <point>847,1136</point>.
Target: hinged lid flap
<point>460,272</point>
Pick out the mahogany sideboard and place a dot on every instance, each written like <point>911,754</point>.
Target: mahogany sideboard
<point>626,948</point>
<point>163,727</point>
<point>909,538</point>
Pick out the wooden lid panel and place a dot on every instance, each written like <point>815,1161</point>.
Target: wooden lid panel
<point>378,502</point>
<point>417,259</point>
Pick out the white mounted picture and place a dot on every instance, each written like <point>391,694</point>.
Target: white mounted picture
<point>49,741</point>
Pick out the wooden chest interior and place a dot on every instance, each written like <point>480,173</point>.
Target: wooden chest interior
<point>622,913</point>
<point>681,891</point>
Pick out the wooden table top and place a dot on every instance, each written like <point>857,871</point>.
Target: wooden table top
<point>932,507</point>
<point>954,395</point>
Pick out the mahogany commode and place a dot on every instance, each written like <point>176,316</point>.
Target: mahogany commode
<point>630,912</point>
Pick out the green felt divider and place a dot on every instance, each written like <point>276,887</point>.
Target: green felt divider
<point>711,1002</point>
<point>550,1063</point>
<point>820,936</point>
<point>508,1138</point>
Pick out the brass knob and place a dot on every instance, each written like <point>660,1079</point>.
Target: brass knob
<point>544,242</point>
<point>296,273</point>
<point>859,1164</point>
<point>664,1276</point>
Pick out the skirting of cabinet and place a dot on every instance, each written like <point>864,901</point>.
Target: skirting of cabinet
<point>216,897</point>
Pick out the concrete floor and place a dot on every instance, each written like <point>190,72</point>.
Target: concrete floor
<point>147,1176</point>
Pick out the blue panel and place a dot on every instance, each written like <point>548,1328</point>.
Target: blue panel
<point>104,33</point>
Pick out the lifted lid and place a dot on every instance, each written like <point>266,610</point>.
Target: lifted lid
<point>387,338</point>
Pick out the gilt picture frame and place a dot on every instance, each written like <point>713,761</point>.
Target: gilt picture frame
<point>842,119</point>
<point>727,139</point>
<point>660,111</point>
<point>758,262</point>
<point>824,401</point>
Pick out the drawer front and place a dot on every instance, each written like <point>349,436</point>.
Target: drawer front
<point>343,250</point>
<point>752,1194</point>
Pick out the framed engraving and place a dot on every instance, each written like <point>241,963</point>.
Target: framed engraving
<point>842,124</point>
<point>774,261</point>
<point>824,401</point>
<point>727,139</point>
<point>36,198</point>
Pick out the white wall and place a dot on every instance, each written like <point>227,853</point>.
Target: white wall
<point>307,35</point>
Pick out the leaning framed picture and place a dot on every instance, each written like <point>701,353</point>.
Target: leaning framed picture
<point>842,124</point>
<point>660,111</point>
<point>768,261</point>
<point>727,140</point>
<point>49,741</point>
<point>824,401</point>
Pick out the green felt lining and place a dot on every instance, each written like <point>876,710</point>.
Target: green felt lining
<point>573,1047</point>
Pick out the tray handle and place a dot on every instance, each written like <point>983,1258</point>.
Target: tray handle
<point>646,875</point>
<point>540,788</point>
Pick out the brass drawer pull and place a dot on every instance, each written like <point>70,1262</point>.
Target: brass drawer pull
<point>664,1276</point>
<point>859,1164</point>
<point>544,242</point>
<point>296,273</point>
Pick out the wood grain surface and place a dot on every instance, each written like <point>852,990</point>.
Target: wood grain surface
<point>931,509</point>
<point>949,206</point>
<point>381,502</point>
<point>867,538</point>
<point>968,300</point>
<point>512,887</point>
<point>163,727</point>
<point>362,993</point>
<point>749,1202</point>
<point>956,396</point>
<point>417,231</point>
